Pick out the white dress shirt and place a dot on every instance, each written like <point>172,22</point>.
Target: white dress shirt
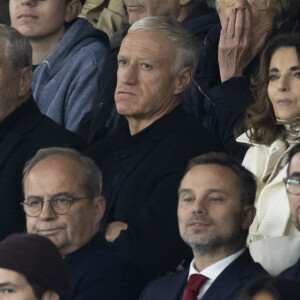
<point>213,271</point>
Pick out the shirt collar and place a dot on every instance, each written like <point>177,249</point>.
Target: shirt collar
<point>214,270</point>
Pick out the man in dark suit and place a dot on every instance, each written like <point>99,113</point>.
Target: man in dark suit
<point>215,210</point>
<point>23,129</point>
<point>143,162</point>
<point>63,202</point>
<point>292,184</point>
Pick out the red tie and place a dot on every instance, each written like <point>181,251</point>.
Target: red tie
<point>195,283</point>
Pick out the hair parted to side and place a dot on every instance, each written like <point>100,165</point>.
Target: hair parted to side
<point>246,178</point>
<point>92,174</point>
<point>187,45</point>
<point>18,48</point>
<point>260,119</point>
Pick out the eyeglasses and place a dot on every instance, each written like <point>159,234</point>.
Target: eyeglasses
<point>292,185</point>
<point>60,204</point>
<point>259,4</point>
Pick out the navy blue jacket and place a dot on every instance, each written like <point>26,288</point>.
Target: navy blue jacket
<point>226,286</point>
<point>292,273</point>
<point>96,271</point>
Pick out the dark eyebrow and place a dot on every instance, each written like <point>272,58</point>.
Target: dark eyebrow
<point>216,191</point>
<point>62,194</point>
<point>295,68</point>
<point>70,195</point>
<point>294,174</point>
<point>7,284</point>
<point>207,192</point>
<point>181,191</point>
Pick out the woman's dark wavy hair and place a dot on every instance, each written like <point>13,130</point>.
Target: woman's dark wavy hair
<point>260,120</point>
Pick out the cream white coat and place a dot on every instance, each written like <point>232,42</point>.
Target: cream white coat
<point>273,240</point>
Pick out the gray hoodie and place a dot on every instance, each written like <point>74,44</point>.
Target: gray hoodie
<point>66,83</point>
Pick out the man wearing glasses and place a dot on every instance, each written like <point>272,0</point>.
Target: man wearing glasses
<point>63,202</point>
<point>292,184</point>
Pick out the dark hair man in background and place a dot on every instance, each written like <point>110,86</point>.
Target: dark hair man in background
<point>215,210</point>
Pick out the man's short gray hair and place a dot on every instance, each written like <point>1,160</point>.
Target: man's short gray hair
<point>92,174</point>
<point>187,45</point>
<point>18,48</point>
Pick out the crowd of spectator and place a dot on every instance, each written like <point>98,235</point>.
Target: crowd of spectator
<point>150,149</point>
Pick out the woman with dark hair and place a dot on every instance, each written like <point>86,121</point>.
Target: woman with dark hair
<point>272,127</point>
<point>230,57</point>
<point>271,289</point>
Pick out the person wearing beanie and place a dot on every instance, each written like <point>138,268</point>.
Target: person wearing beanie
<point>31,268</point>
<point>68,55</point>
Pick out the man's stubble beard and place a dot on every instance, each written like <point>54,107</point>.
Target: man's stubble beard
<point>230,240</point>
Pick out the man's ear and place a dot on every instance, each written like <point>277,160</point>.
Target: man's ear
<point>249,212</point>
<point>74,8</point>
<point>99,208</point>
<point>50,295</point>
<point>25,82</point>
<point>183,79</point>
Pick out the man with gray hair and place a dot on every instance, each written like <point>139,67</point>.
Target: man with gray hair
<point>63,202</point>
<point>193,14</point>
<point>23,129</point>
<point>143,161</point>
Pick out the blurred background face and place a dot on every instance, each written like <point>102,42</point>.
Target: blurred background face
<point>138,9</point>
<point>260,18</point>
<point>38,19</point>
<point>284,83</point>
<point>14,286</point>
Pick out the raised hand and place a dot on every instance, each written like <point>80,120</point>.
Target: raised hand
<point>235,46</point>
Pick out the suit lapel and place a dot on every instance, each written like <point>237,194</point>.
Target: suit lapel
<point>176,288</point>
<point>231,279</point>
